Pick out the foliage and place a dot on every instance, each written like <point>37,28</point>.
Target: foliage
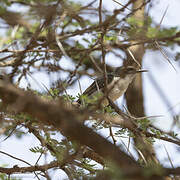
<point>42,37</point>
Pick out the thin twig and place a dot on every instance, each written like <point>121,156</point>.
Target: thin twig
<point>15,158</point>
<point>168,157</point>
<point>127,148</point>
<point>122,5</point>
<point>131,54</point>
<point>157,44</point>
<point>102,48</point>
<point>111,134</point>
<point>164,54</point>
<point>95,64</point>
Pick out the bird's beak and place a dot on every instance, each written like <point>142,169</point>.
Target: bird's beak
<point>141,70</point>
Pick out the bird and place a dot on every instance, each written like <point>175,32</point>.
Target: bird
<point>117,83</point>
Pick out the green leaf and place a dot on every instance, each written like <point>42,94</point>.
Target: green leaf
<point>152,32</point>
<point>37,149</point>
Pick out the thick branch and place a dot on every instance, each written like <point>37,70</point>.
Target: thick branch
<point>68,122</point>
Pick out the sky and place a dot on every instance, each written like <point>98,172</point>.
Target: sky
<point>158,67</point>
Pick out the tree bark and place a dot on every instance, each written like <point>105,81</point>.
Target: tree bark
<point>134,94</point>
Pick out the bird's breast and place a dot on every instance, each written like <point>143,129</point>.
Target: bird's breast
<point>118,87</point>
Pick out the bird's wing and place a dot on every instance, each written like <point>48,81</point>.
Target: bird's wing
<point>98,84</point>
<point>95,86</point>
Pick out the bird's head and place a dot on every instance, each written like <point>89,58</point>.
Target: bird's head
<point>127,70</point>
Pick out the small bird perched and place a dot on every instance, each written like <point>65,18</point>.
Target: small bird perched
<point>117,83</point>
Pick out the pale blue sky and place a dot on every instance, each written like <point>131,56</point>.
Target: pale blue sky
<point>157,65</point>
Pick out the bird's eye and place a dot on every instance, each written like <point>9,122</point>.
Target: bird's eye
<point>130,69</point>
